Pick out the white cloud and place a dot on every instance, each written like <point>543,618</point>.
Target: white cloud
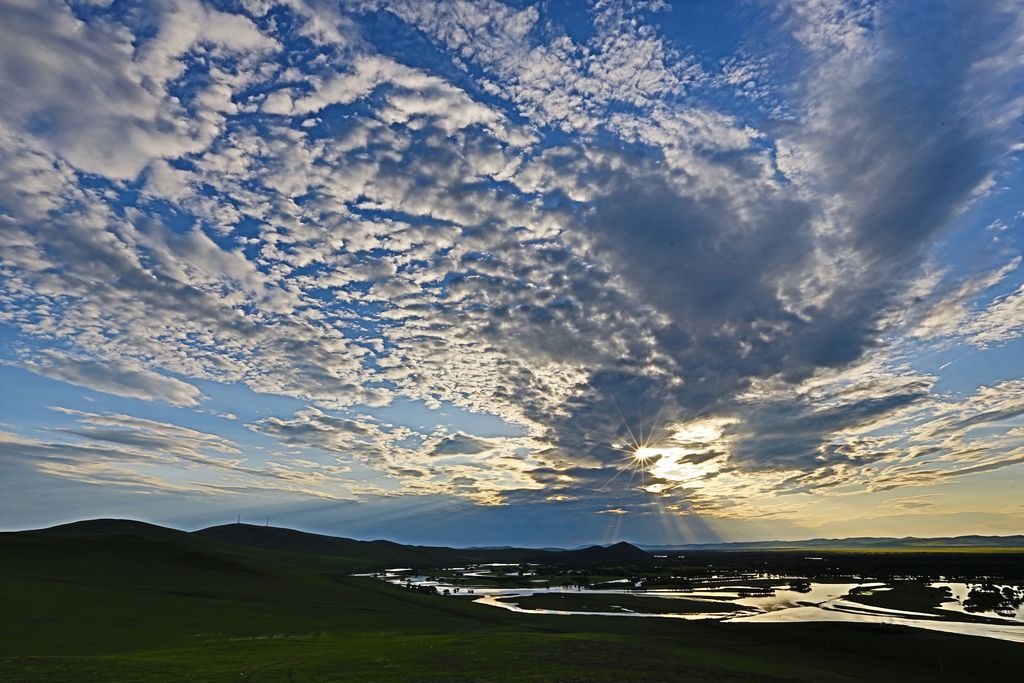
<point>1001,321</point>
<point>121,378</point>
<point>570,234</point>
<point>159,457</point>
<point>948,316</point>
<point>97,99</point>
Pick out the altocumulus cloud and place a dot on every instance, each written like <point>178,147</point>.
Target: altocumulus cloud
<point>600,236</point>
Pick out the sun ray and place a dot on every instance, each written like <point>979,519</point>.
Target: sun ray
<point>625,422</point>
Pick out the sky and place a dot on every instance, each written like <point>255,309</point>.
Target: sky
<point>536,273</point>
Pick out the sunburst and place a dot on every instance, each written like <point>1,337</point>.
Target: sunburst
<point>639,455</point>
<point>637,447</point>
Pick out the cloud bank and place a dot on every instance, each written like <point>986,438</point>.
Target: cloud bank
<point>601,236</point>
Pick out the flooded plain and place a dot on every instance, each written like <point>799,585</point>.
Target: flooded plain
<point>766,600</point>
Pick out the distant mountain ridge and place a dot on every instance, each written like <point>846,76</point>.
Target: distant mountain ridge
<point>618,553</point>
<point>382,552</point>
<point>858,542</point>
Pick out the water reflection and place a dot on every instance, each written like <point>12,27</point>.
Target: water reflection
<point>790,601</point>
<point>959,601</point>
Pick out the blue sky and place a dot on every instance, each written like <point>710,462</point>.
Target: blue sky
<point>514,272</point>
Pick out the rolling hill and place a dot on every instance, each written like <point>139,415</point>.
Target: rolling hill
<point>618,554</point>
<point>376,553</point>
<point>122,600</point>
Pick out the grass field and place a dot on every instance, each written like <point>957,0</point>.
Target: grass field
<point>163,607</point>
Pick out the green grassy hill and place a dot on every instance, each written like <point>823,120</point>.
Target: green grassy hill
<point>91,528</point>
<point>122,601</point>
<point>370,554</point>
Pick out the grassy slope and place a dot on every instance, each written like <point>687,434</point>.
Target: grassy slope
<point>376,554</point>
<point>145,606</point>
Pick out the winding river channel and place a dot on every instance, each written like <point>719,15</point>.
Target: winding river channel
<point>822,602</point>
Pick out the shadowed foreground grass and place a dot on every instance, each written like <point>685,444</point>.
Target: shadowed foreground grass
<point>124,607</point>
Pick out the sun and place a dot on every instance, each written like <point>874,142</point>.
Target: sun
<point>646,453</point>
<point>638,460</point>
<point>639,454</point>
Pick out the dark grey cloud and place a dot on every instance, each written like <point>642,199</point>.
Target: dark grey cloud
<point>794,435</point>
<point>898,145</point>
